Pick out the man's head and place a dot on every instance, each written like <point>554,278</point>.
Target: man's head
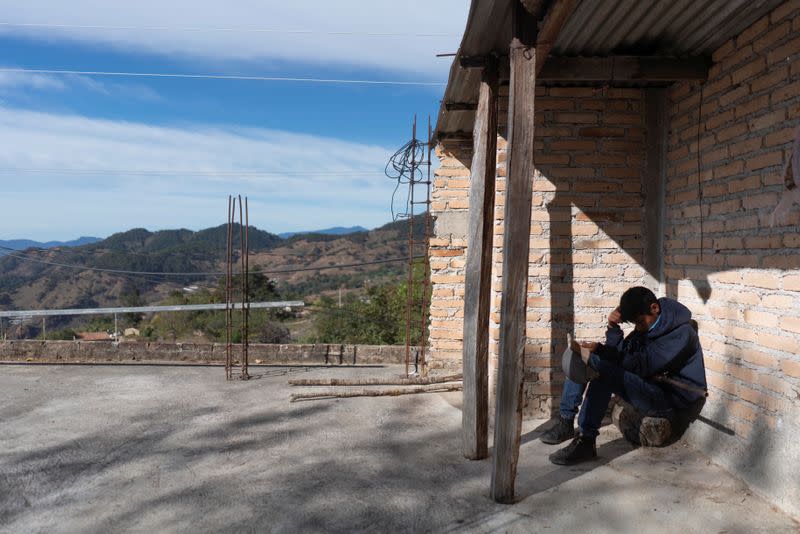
<point>639,306</point>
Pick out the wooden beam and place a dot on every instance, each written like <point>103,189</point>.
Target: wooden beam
<point>478,282</point>
<point>460,106</point>
<point>472,62</point>
<point>627,69</point>
<point>516,244</point>
<point>551,26</point>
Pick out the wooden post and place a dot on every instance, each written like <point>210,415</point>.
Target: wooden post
<point>516,245</point>
<point>654,184</point>
<point>477,292</point>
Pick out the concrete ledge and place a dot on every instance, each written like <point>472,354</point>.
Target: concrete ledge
<point>107,351</point>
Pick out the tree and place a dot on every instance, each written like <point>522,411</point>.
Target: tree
<point>377,318</point>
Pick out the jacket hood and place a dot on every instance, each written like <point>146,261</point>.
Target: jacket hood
<point>673,314</point>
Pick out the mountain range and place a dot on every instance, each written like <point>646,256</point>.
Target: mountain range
<point>336,230</point>
<point>22,244</point>
<point>152,265</point>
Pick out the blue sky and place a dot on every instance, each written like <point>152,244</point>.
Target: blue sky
<point>78,153</point>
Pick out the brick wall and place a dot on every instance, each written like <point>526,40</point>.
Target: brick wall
<point>132,351</point>
<point>729,139</point>
<point>586,243</point>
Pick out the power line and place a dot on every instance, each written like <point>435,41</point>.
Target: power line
<point>216,29</point>
<point>222,77</point>
<point>175,172</point>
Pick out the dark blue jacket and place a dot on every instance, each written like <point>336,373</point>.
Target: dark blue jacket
<point>671,347</point>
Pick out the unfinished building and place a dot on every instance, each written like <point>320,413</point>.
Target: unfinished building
<point>587,146</point>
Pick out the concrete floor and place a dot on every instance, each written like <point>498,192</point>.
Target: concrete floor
<point>165,449</point>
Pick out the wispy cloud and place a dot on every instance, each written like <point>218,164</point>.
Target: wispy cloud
<point>185,19</point>
<point>70,161</point>
<point>25,81</point>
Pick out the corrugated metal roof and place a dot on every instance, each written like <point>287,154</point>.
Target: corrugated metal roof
<point>656,27</point>
<point>601,28</point>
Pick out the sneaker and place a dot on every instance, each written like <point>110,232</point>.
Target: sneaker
<point>580,450</point>
<point>563,430</point>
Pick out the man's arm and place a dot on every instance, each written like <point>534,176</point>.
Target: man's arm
<point>660,353</point>
<point>612,349</point>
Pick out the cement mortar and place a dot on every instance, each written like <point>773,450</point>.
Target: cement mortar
<point>168,449</point>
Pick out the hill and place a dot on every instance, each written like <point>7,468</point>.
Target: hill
<point>22,244</point>
<point>336,230</point>
<point>156,264</point>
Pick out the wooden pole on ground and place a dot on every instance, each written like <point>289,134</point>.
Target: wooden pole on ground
<point>387,381</point>
<point>338,394</point>
<point>477,293</point>
<point>516,245</point>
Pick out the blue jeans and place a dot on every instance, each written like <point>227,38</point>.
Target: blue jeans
<point>571,399</point>
<point>648,398</point>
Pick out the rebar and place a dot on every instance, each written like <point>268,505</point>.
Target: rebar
<point>244,287</point>
<point>229,291</point>
<point>422,363</point>
<point>245,291</point>
<point>410,289</point>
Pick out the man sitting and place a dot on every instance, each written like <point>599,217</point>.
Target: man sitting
<point>658,368</point>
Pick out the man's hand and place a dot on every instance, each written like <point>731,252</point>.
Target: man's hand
<point>614,318</point>
<point>587,348</point>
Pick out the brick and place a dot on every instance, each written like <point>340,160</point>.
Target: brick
<point>562,104</point>
<point>733,95</point>
<point>722,52</point>
<point>760,359</point>
<point>714,155</point>
<point>748,145</point>
<point>596,187</point>
<point>782,52</point>
<point>733,224</point>
<point>717,120</point>
<point>762,200</point>
<point>749,70</point>
<point>791,368</point>
<point>792,324</point>
<point>604,131</point>
<point>791,282</point>
<point>622,172</point>
<point>573,145</point>
<point>778,301</point>
<point>576,118</point>
<point>780,343</point>
<point>772,241</point>
<point>775,75</point>
<point>760,279</point>
<point>767,120</point>
<point>760,318</point>
<point>782,11</point>
<point>781,261</point>
<point>725,207</point>
<point>776,384</point>
<point>731,169</point>
<point>785,92</point>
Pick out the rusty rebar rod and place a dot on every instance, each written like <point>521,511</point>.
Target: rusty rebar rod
<point>229,291</point>
<point>410,289</point>
<point>422,362</point>
<point>246,293</point>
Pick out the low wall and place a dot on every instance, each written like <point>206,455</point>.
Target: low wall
<point>107,351</point>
